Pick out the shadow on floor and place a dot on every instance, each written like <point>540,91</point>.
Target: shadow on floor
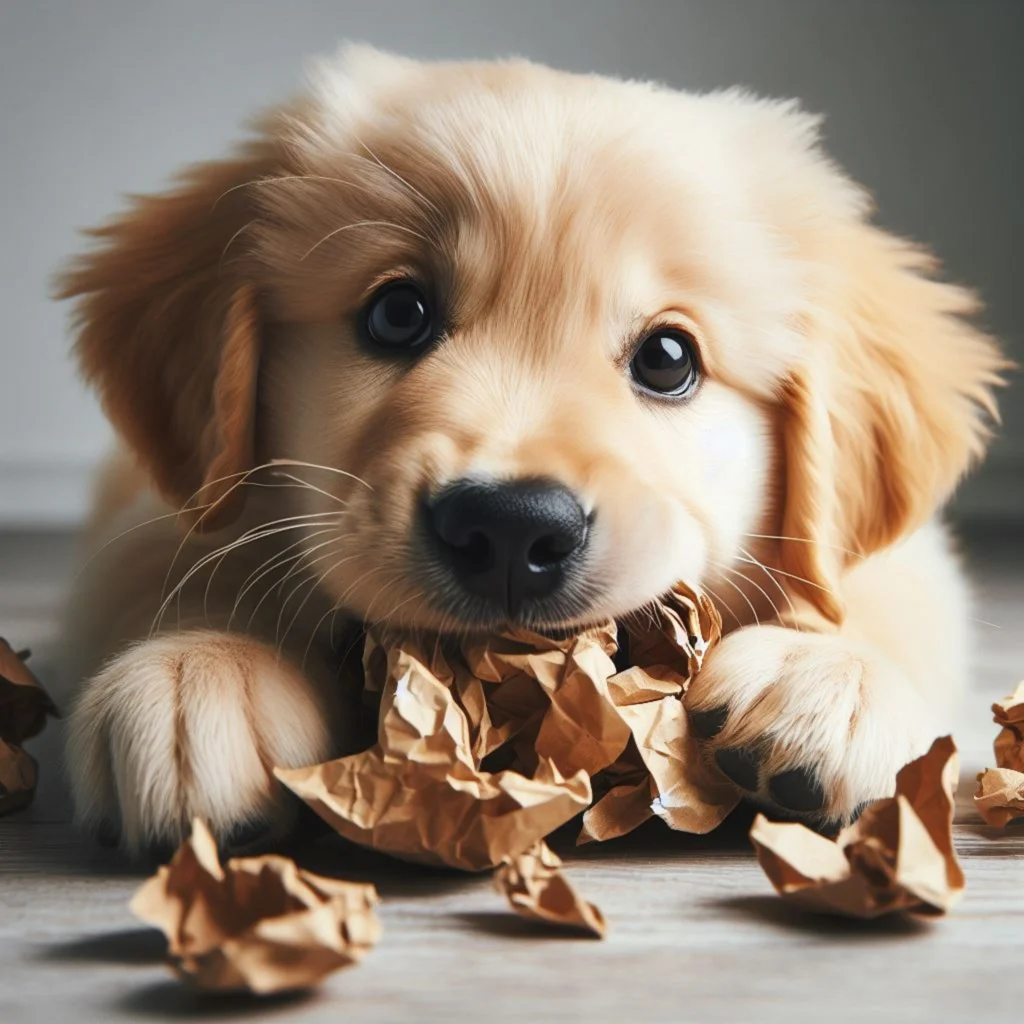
<point>504,925</point>
<point>170,1000</point>
<point>132,946</point>
<point>785,916</point>
<point>166,999</point>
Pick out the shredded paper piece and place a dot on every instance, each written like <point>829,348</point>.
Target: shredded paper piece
<point>1000,796</point>
<point>485,748</point>
<point>18,776</point>
<point>24,708</point>
<point>24,704</point>
<point>1009,744</point>
<point>257,923</point>
<point>898,856</point>
<point>536,889</point>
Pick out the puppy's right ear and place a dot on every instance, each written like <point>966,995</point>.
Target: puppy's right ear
<point>168,331</point>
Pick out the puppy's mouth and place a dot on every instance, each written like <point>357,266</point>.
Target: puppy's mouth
<point>504,555</point>
<point>459,615</point>
<point>567,608</point>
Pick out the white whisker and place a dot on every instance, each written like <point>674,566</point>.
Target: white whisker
<point>242,478</point>
<point>415,191</point>
<point>782,590</point>
<point>290,179</point>
<point>750,604</point>
<point>245,227</point>
<point>361,224</point>
<point>316,582</point>
<point>245,536</point>
<point>279,585</point>
<point>723,605</point>
<point>280,559</point>
<point>401,604</point>
<point>317,465</point>
<point>771,604</point>
<point>312,487</point>
<point>807,540</point>
<point>206,559</point>
<point>792,576</point>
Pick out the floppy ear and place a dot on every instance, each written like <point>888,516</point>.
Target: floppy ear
<point>168,331</point>
<point>891,408</point>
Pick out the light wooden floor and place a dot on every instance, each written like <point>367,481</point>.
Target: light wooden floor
<point>695,932</point>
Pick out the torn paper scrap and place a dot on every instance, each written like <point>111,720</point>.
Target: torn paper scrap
<point>1009,744</point>
<point>687,794</point>
<point>1000,796</point>
<point>257,923</point>
<point>578,727</point>
<point>536,888</point>
<point>670,778</point>
<point>898,856</point>
<point>622,809</point>
<point>419,793</point>
<point>18,776</point>
<point>487,745</point>
<point>24,704</point>
<point>1010,710</point>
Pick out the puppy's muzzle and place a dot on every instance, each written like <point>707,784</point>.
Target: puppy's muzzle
<point>507,543</point>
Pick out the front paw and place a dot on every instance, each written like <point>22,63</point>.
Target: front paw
<point>814,725</point>
<point>192,724</point>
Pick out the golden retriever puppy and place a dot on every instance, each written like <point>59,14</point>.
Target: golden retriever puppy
<point>462,346</point>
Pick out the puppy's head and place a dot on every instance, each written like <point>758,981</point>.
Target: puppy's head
<point>538,345</point>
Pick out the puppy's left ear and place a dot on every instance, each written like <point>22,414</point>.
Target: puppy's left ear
<point>892,406</point>
<point>168,332</point>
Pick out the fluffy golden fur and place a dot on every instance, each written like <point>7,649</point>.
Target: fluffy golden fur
<point>559,216</point>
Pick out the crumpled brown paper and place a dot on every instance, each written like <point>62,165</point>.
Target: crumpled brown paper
<point>898,856</point>
<point>421,793</point>
<point>1009,744</point>
<point>18,776</point>
<point>486,747</point>
<point>1000,796</point>
<point>24,707</point>
<point>24,704</point>
<point>536,889</point>
<point>256,923</point>
<point>661,771</point>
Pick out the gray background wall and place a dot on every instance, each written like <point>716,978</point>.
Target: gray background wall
<point>923,98</point>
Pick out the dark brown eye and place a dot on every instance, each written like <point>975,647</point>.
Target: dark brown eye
<point>399,317</point>
<point>666,363</point>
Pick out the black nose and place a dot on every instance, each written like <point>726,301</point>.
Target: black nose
<point>508,542</point>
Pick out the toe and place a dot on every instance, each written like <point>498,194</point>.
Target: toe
<point>797,790</point>
<point>708,724</point>
<point>740,765</point>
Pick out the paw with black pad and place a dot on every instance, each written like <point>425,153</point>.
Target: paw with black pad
<point>707,725</point>
<point>797,790</point>
<point>740,766</point>
<point>806,725</point>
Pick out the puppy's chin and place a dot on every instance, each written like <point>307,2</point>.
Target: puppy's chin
<point>553,628</point>
<point>467,618</point>
<point>464,617</point>
<point>447,611</point>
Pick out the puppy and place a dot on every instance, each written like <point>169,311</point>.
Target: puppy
<point>463,346</point>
